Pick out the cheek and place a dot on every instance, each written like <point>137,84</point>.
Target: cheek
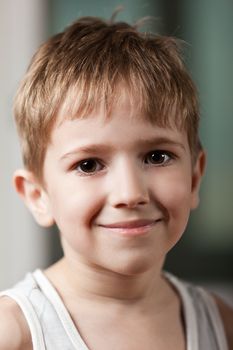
<point>74,211</point>
<point>174,192</point>
<point>175,188</point>
<point>75,206</point>
<point>174,198</point>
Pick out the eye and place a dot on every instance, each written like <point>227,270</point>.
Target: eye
<point>88,166</point>
<point>158,157</point>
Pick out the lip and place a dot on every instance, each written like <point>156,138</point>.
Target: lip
<point>131,228</point>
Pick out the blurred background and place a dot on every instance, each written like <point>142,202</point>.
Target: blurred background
<point>205,253</point>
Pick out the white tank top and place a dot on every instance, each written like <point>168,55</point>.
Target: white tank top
<point>52,327</point>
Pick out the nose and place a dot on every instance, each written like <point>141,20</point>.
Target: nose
<point>128,187</point>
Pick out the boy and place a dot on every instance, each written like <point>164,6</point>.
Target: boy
<point>108,122</point>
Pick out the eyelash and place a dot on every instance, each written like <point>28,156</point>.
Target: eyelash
<point>95,161</point>
<point>99,166</point>
<point>167,155</point>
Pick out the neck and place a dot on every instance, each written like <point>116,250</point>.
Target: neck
<point>96,284</point>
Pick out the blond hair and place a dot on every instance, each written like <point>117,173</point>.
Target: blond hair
<point>89,60</point>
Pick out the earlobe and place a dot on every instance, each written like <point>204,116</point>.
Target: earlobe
<point>198,172</point>
<point>34,196</point>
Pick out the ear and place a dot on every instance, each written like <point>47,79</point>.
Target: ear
<point>198,172</point>
<point>34,196</point>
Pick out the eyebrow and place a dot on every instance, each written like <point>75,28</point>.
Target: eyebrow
<point>161,140</point>
<point>89,149</point>
<point>103,149</point>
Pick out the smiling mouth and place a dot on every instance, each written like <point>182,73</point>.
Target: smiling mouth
<point>131,228</point>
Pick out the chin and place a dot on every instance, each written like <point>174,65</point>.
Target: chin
<point>133,267</point>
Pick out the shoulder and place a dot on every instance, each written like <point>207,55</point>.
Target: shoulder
<point>226,313</point>
<point>14,332</point>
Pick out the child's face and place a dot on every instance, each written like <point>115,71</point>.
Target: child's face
<point>120,190</point>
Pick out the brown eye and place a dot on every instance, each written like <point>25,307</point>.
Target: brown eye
<point>89,166</point>
<point>157,158</point>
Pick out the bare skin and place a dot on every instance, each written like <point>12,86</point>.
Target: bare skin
<point>226,313</point>
<point>15,333</point>
<point>140,319</point>
<point>135,321</point>
<point>110,323</point>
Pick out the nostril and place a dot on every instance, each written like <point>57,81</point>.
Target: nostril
<point>131,190</point>
<point>143,202</point>
<point>131,203</point>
